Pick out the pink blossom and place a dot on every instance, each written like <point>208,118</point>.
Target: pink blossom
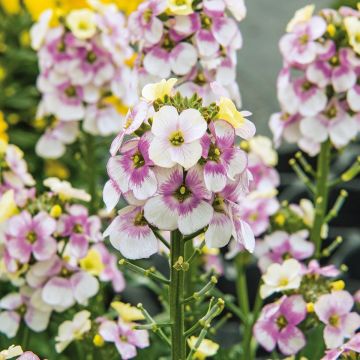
<point>277,325</point>
<point>132,170</point>
<point>80,228</point>
<point>131,234</point>
<point>314,268</point>
<point>334,310</point>
<point>36,316</point>
<point>27,235</point>
<point>124,337</point>
<point>350,347</point>
<point>278,246</point>
<point>300,45</point>
<point>183,201</point>
<point>223,160</point>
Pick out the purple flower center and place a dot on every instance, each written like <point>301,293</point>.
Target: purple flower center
<point>331,112</point>
<point>177,138</point>
<point>138,160</point>
<point>219,204</point>
<point>70,91</point>
<point>334,61</point>
<point>334,320</point>
<point>281,322</point>
<point>31,237</point>
<point>139,219</point>
<point>214,153</point>
<point>78,229</point>
<point>304,39</point>
<point>182,193</point>
<point>91,57</point>
<point>206,21</point>
<point>147,15</point>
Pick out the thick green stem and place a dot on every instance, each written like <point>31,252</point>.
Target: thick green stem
<point>243,300</point>
<point>177,318</point>
<point>321,195</point>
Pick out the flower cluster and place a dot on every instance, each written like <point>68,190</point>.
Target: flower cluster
<point>318,86</point>
<point>310,297</point>
<point>106,330</point>
<point>260,203</point>
<point>179,169</point>
<point>53,254</point>
<point>85,74</point>
<point>16,183</point>
<point>195,41</point>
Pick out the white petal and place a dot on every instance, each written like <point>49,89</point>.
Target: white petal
<point>159,153</point>
<point>165,121</point>
<point>219,231</point>
<point>196,219</point>
<point>157,213</point>
<point>111,195</point>
<point>187,155</point>
<point>9,323</point>
<point>192,125</point>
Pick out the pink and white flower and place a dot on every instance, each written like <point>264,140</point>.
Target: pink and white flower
<point>27,236</point>
<point>183,201</point>
<point>299,46</point>
<point>36,313</point>
<point>80,228</point>
<point>131,171</point>
<point>278,246</point>
<point>223,160</point>
<point>124,337</point>
<point>131,234</point>
<point>277,325</point>
<point>349,348</point>
<point>334,310</point>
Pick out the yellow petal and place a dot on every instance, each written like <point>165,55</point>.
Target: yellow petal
<point>127,312</point>
<point>8,207</point>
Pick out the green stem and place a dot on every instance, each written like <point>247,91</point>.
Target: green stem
<point>241,284</point>
<point>321,195</point>
<point>177,317</point>
<point>243,300</point>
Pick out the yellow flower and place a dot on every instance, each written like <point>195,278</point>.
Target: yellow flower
<point>3,146</point>
<point>54,168</point>
<point>98,340</point>
<point>229,113</point>
<point>280,219</point>
<point>337,285</point>
<point>11,7</point>
<point>3,127</point>
<point>92,263</point>
<point>207,348</point>
<point>180,7</point>
<point>8,207</point>
<point>310,307</point>
<point>302,15</point>
<point>127,312</point>
<point>151,92</point>
<point>82,23</point>
<point>56,211</point>
<point>352,26</point>
<point>37,7</point>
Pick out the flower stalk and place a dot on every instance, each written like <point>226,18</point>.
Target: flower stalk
<point>321,195</point>
<point>176,296</point>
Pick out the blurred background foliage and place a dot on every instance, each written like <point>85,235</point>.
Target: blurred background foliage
<point>259,64</point>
